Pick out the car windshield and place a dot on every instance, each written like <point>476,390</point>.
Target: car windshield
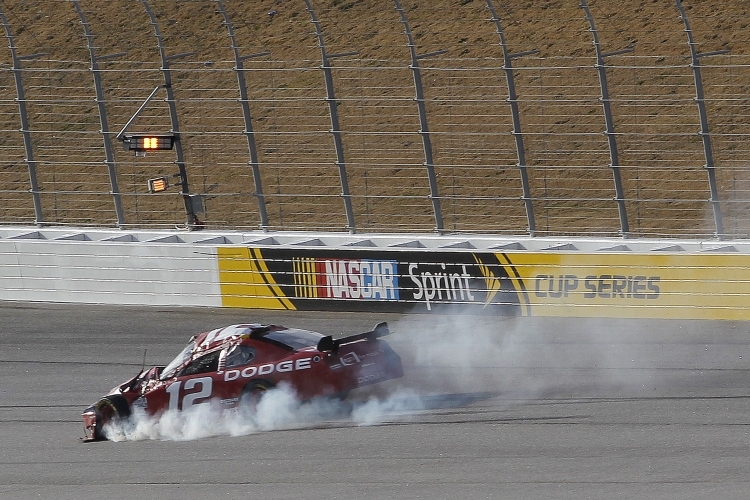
<point>296,339</point>
<point>171,368</point>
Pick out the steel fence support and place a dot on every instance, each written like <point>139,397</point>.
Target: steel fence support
<point>516,116</point>
<point>333,112</point>
<point>239,68</point>
<point>25,131</point>
<point>610,130</point>
<point>192,221</point>
<point>704,133</point>
<point>108,151</point>
<point>425,131</point>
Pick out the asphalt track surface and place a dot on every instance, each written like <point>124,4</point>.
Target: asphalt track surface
<point>496,408</point>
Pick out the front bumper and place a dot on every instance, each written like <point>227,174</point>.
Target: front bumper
<point>91,426</point>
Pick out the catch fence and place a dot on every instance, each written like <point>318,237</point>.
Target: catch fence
<point>377,117</point>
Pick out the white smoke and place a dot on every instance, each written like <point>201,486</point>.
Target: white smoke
<point>375,410</point>
<point>520,358</point>
<point>279,408</point>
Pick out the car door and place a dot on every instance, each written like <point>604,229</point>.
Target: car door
<point>194,384</point>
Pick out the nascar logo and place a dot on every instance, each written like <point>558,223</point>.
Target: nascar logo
<point>361,279</point>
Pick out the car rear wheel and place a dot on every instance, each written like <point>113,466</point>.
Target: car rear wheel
<point>252,392</point>
<point>341,395</point>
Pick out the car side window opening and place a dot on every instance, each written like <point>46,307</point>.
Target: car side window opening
<point>207,363</point>
<point>239,355</point>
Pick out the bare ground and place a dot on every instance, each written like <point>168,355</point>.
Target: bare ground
<point>474,153</point>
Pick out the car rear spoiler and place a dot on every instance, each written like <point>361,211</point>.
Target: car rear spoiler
<point>327,343</point>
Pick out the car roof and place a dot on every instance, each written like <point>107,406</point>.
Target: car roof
<point>235,334</point>
<point>227,335</point>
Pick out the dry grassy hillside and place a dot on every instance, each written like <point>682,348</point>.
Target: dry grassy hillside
<point>475,157</point>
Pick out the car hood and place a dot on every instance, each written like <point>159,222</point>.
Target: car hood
<point>138,381</point>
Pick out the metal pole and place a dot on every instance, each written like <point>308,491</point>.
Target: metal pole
<point>244,101</point>
<point>704,133</point>
<point>333,112</point>
<point>140,109</point>
<point>425,131</point>
<point>610,131</point>
<point>513,101</point>
<point>108,151</point>
<point>25,131</point>
<point>185,188</point>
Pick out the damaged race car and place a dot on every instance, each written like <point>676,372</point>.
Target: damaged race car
<point>236,364</point>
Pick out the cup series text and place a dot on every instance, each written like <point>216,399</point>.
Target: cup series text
<point>604,286</point>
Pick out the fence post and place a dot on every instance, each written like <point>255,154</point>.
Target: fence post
<point>108,152</point>
<point>25,131</point>
<point>192,221</point>
<point>610,131</point>
<point>425,131</point>
<point>515,114</point>
<point>704,133</point>
<point>244,101</point>
<point>333,112</point>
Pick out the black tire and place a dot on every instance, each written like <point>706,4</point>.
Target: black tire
<point>110,408</point>
<point>120,405</point>
<point>341,396</point>
<point>252,392</point>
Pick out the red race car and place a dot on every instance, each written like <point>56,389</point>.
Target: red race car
<point>236,364</point>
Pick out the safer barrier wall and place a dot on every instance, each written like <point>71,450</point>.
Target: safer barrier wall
<point>107,272</point>
<point>528,277</point>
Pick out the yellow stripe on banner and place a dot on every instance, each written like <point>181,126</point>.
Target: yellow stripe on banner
<point>517,282</point>
<point>246,282</point>
<point>269,280</point>
<point>686,286</point>
<point>312,278</point>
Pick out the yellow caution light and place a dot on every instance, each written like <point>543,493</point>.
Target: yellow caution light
<point>158,185</point>
<point>148,142</point>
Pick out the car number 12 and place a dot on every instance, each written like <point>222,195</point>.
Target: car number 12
<point>205,385</point>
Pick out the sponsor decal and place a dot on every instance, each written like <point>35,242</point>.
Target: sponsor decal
<point>267,369</point>
<point>360,279</point>
<point>467,279</point>
<point>442,285</point>
<point>371,378</point>
<point>349,359</point>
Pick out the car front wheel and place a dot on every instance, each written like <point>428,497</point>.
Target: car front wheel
<point>108,409</point>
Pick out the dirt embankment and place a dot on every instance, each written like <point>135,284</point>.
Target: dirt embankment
<point>475,155</point>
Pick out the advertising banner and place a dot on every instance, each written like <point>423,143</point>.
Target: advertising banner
<point>354,280</point>
<point>688,286</point>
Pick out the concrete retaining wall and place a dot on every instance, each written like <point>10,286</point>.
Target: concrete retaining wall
<point>517,276</point>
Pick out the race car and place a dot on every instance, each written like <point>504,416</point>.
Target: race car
<point>236,364</point>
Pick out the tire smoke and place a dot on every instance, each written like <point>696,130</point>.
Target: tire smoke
<point>522,357</point>
<point>277,409</point>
